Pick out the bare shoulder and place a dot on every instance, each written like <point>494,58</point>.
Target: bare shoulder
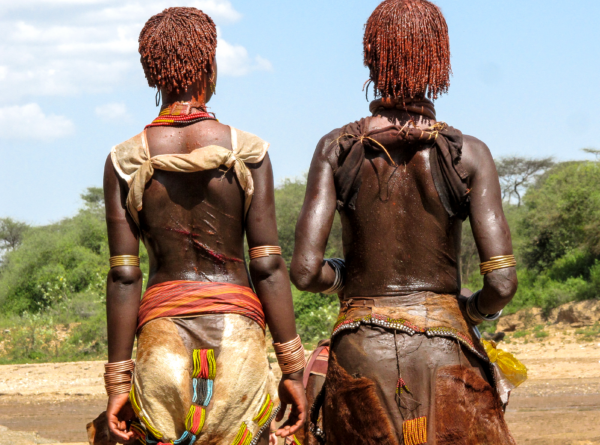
<point>476,156</point>
<point>327,149</point>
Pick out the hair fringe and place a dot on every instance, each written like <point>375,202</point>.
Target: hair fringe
<point>407,49</point>
<point>177,46</point>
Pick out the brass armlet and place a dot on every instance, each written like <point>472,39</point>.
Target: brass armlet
<point>290,355</point>
<point>497,262</point>
<point>124,366</point>
<point>264,251</point>
<point>124,260</point>
<point>118,389</point>
<point>118,376</point>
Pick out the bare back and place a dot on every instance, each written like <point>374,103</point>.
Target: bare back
<point>399,237</point>
<point>387,252</point>
<point>193,223</point>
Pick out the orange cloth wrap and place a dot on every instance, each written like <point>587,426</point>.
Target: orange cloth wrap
<point>178,299</point>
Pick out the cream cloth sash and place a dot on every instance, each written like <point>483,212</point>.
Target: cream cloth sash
<point>133,163</point>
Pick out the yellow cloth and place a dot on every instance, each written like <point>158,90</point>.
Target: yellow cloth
<point>513,369</point>
<point>133,163</point>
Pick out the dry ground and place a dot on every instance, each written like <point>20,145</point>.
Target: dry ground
<point>559,404</point>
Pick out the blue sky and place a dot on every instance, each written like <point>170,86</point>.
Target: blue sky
<point>525,82</point>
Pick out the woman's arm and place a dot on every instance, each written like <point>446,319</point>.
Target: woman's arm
<point>271,281</point>
<point>123,290</point>
<point>490,229</point>
<point>309,271</point>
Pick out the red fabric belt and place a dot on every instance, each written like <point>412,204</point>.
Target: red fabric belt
<point>188,298</point>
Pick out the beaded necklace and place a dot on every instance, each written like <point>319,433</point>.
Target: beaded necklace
<point>178,115</point>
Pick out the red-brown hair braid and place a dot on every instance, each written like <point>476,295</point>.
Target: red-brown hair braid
<point>407,50</point>
<point>177,46</point>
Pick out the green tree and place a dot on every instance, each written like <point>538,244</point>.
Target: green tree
<point>55,262</point>
<point>11,233</point>
<point>93,198</point>
<point>289,198</point>
<point>517,173</point>
<point>562,214</point>
<point>593,151</point>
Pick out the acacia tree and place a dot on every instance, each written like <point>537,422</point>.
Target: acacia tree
<point>11,233</point>
<point>517,173</point>
<point>593,151</point>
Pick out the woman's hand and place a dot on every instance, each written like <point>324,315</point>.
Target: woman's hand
<point>118,413</point>
<point>291,392</point>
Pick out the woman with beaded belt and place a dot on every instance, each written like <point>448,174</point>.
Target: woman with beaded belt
<point>190,187</point>
<point>406,365</point>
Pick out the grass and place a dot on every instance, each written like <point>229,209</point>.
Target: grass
<point>590,333</point>
<point>76,332</point>
<point>520,334</point>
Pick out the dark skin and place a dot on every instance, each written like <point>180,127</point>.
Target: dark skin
<point>193,227</point>
<point>408,243</point>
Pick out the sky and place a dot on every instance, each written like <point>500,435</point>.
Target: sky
<point>524,81</point>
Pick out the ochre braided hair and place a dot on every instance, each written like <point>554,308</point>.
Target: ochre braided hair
<point>407,50</point>
<point>177,46</point>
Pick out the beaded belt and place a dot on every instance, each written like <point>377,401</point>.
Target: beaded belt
<point>371,302</point>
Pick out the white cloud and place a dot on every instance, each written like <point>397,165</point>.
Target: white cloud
<point>233,60</point>
<point>218,9</point>
<point>139,12</point>
<point>30,122</point>
<point>143,10</point>
<point>69,47</point>
<point>116,111</point>
<point>7,5</point>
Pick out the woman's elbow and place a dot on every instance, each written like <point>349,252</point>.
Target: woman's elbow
<point>504,283</point>
<point>265,268</point>
<point>125,276</point>
<point>304,274</point>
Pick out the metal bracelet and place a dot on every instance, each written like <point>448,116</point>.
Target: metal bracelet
<point>339,266</point>
<point>475,315</point>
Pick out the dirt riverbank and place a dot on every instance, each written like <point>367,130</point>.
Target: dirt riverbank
<point>559,404</point>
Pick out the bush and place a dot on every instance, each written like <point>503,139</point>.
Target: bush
<point>62,333</point>
<point>562,213</point>
<point>316,315</point>
<point>55,261</point>
<point>289,197</point>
